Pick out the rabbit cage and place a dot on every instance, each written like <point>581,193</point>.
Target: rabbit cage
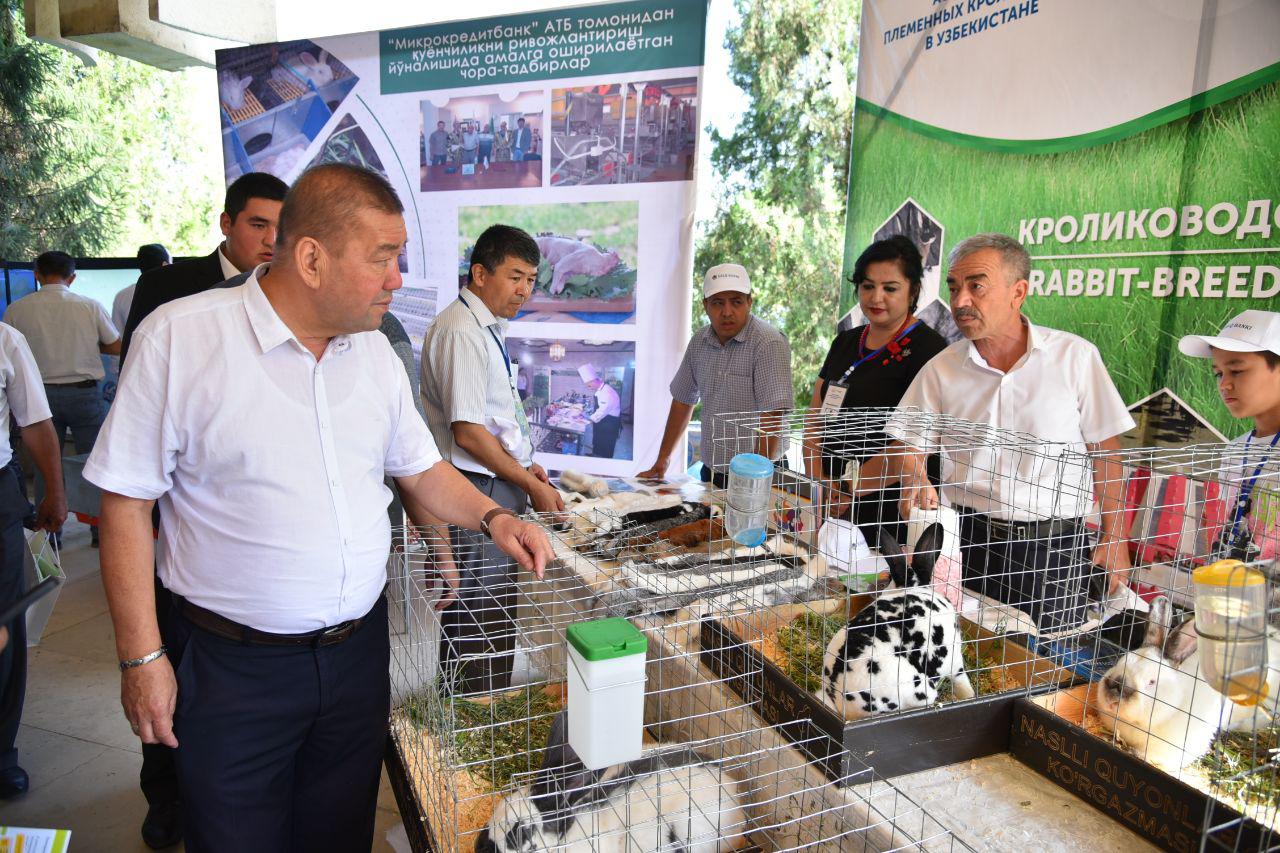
<point>482,720</point>
<point>1175,728</point>
<point>887,649</point>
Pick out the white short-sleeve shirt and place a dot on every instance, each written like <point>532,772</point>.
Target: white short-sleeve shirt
<point>1059,392</point>
<point>63,330</point>
<point>21,391</point>
<point>267,464</point>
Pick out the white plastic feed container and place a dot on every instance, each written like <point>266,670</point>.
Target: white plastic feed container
<point>750,488</point>
<point>606,691</point>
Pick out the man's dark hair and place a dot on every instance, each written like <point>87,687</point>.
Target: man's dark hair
<point>151,256</point>
<point>520,121</point>
<point>252,185</point>
<point>325,201</point>
<point>55,265</point>
<point>898,248</point>
<point>1272,359</point>
<point>499,242</point>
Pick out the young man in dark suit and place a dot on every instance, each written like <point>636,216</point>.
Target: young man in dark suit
<point>250,214</point>
<point>248,222</point>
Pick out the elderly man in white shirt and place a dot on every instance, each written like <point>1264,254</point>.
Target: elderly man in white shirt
<point>607,418</point>
<point>1023,513</point>
<point>262,419</point>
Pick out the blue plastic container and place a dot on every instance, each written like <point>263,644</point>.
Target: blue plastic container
<point>750,490</point>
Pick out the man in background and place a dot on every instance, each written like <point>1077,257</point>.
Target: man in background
<point>22,396</point>
<point>523,141</point>
<point>151,256</point>
<point>470,143</point>
<point>736,363</point>
<point>438,145</point>
<point>68,334</point>
<point>607,417</point>
<point>250,212</point>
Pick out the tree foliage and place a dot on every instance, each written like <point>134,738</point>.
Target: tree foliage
<point>97,160</point>
<point>785,167</point>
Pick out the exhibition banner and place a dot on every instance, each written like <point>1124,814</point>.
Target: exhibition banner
<point>1132,148</point>
<point>579,125</point>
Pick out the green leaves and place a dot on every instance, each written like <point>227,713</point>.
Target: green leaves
<point>98,160</point>
<point>784,169</point>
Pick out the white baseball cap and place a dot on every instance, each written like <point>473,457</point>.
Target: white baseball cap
<point>1248,331</point>
<point>588,372</point>
<point>724,277</point>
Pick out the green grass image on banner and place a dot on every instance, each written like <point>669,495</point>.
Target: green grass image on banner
<point>1225,153</point>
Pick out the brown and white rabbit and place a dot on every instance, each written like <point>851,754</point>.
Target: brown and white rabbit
<point>1156,701</point>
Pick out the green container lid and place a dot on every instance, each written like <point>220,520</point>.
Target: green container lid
<point>604,639</point>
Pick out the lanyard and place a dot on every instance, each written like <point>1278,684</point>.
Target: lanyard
<point>506,359</point>
<point>1247,487</point>
<point>897,336</point>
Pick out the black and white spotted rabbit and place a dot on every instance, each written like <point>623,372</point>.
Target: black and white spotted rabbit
<point>669,801</point>
<point>893,653</point>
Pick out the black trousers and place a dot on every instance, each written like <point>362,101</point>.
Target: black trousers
<point>158,777</point>
<point>1044,575</point>
<point>477,646</point>
<point>280,747</point>
<point>13,660</point>
<point>604,436</point>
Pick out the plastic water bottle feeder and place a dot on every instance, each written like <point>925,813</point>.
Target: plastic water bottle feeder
<point>750,490</point>
<point>606,691</point>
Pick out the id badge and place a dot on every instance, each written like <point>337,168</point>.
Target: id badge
<point>834,399</point>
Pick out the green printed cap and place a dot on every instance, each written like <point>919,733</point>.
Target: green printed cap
<point>604,639</point>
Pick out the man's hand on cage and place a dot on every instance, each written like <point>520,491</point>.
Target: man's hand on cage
<point>149,695</point>
<point>523,541</point>
<point>449,580</point>
<point>917,491</point>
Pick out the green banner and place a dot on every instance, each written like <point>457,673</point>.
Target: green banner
<point>1149,202</point>
<point>584,41</point>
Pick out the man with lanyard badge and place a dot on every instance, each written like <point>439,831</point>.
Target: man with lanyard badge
<point>474,411</point>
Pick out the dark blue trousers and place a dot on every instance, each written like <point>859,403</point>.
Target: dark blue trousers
<point>280,747</point>
<point>13,660</point>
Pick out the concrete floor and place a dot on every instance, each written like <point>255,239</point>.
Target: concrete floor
<point>74,740</point>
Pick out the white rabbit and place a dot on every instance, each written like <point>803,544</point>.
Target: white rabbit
<point>893,653</point>
<point>666,801</point>
<point>1155,700</point>
<point>231,89</point>
<point>316,70</point>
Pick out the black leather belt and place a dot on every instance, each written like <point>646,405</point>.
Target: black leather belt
<point>1025,531</point>
<point>84,383</point>
<point>221,626</point>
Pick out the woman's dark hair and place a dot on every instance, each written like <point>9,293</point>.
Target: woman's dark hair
<point>898,248</point>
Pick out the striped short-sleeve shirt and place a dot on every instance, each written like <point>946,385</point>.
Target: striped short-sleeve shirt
<point>751,372</point>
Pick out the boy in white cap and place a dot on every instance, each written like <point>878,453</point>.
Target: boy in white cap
<point>608,414</point>
<point>737,363</point>
<point>1246,363</point>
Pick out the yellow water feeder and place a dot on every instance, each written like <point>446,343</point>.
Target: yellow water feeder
<point>1231,621</point>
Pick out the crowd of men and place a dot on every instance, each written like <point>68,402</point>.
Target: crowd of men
<point>263,433</point>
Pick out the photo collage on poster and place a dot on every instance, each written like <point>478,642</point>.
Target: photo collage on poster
<point>573,346</point>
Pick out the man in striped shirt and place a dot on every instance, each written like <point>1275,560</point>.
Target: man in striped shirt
<point>737,363</point>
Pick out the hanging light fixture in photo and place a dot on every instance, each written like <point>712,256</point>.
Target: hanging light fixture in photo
<point>556,351</point>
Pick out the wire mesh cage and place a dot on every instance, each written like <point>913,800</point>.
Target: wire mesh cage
<point>1184,671</point>
<point>495,762</point>
<point>968,596</point>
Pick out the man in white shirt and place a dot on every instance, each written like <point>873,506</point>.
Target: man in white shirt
<point>150,257</point>
<point>608,414</point>
<point>479,423</point>
<point>67,333</point>
<point>1023,535</point>
<point>268,466</point>
<point>22,396</point>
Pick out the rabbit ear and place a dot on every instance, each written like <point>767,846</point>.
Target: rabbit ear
<point>892,553</point>
<point>928,546</point>
<point>324,57</point>
<point>307,58</point>
<point>1157,622</point>
<point>1181,642</point>
<point>563,777</point>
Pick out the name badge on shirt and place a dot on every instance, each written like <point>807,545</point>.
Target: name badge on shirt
<point>835,398</point>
